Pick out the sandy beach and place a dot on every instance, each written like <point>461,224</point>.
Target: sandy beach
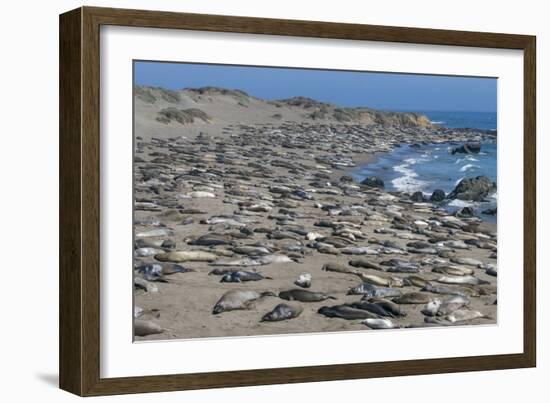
<point>274,196</point>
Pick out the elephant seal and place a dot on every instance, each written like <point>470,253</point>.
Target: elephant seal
<point>252,261</point>
<point>371,290</point>
<point>361,289</point>
<point>388,305</point>
<point>490,269</point>
<point>186,256</point>
<point>452,304</point>
<point>381,281</point>
<point>147,251</point>
<point>468,261</point>
<point>282,312</point>
<point>251,250</point>
<point>304,295</point>
<point>142,284</point>
<point>155,233</point>
<point>468,280</point>
<point>452,270</point>
<point>156,272</point>
<point>445,307</point>
<point>432,307</point>
<point>416,281</point>
<point>242,276</point>
<point>364,263</point>
<point>338,268</point>
<point>379,323</point>
<point>238,299</point>
<point>442,290</point>
<point>462,315</point>
<point>146,327</point>
<point>372,307</point>
<point>212,240</point>
<point>151,243</point>
<point>345,312</point>
<point>303,280</point>
<point>413,298</point>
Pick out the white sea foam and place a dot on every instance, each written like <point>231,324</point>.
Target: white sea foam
<point>468,167</point>
<point>461,203</point>
<point>437,122</point>
<point>408,182</point>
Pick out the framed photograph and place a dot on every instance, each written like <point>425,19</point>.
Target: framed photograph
<point>249,201</point>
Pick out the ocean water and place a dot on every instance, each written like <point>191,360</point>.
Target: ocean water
<point>477,120</point>
<point>428,167</point>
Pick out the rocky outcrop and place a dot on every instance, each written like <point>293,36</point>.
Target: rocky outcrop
<point>438,195</point>
<point>465,212</point>
<point>417,197</point>
<point>369,116</point>
<point>468,148</point>
<point>476,189</point>
<point>373,182</point>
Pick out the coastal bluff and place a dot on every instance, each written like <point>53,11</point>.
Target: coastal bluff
<point>210,109</point>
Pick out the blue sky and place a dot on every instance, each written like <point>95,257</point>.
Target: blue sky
<point>406,92</point>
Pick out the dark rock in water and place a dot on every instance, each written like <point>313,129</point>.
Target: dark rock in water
<point>346,178</point>
<point>374,182</point>
<point>475,189</point>
<point>468,148</point>
<point>438,195</point>
<point>417,197</point>
<point>465,212</point>
<point>490,211</point>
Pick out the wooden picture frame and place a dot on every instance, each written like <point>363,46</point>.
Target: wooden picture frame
<point>79,346</point>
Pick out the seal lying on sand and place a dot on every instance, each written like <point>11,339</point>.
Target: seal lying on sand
<point>378,323</point>
<point>155,271</point>
<point>470,280</point>
<point>282,312</point>
<point>238,299</point>
<point>252,261</point>
<point>413,298</point>
<point>345,312</point>
<point>241,276</point>
<point>186,256</point>
<point>303,280</point>
<point>338,268</point>
<point>389,306</point>
<point>146,327</point>
<point>304,295</point>
<point>374,291</point>
<point>373,308</point>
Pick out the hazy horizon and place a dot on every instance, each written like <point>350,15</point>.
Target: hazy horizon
<point>383,91</point>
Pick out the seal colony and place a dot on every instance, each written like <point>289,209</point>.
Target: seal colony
<point>246,223</point>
